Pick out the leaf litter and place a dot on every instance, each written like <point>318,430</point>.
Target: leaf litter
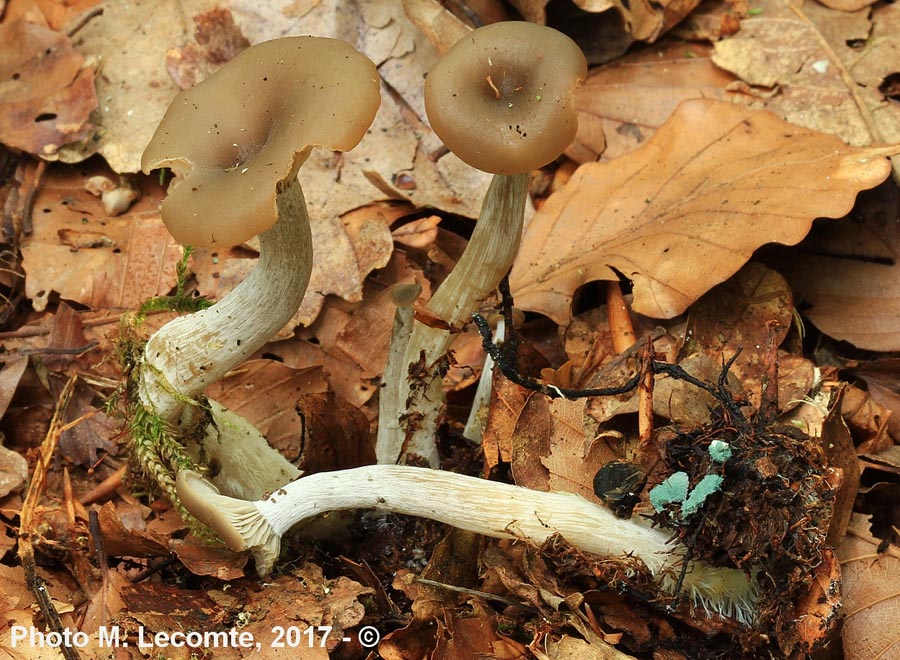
<point>714,193</point>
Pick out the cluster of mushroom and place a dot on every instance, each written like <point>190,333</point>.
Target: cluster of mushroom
<point>524,76</point>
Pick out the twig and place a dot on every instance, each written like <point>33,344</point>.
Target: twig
<point>100,554</point>
<point>49,350</point>
<point>154,568</point>
<point>505,358</point>
<point>27,526</point>
<point>106,487</point>
<point>28,202</point>
<point>481,594</point>
<point>84,20</point>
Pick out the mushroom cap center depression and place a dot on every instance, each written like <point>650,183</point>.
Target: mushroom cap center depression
<point>237,136</point>
<point>502,97</point>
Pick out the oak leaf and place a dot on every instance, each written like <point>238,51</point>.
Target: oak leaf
<point>686,210</point>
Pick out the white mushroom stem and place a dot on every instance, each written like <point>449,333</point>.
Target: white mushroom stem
<point>474,430</point>
<point>389,443</point>
<point>485,507</point>
<point>486,259</point>
<point>192,352</point>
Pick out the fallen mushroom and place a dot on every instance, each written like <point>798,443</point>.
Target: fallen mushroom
<point>485,507</point>
<point>501,99</point>
<point>236,142</point>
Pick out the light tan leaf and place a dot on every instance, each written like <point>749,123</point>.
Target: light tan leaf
<point>131,41</point>
<point>805,53</point>
<point>871,595</point>
<point>92,259</point>
<point>686,210</point>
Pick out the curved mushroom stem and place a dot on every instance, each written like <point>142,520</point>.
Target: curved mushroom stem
<point>191,352</point>
<point>486,259</point>
<point>485,507</point>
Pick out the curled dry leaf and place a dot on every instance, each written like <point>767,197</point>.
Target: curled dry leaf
<point>686,210</point>
<point>883,379</point>
<point>48,94</point>
<point>442,28</point>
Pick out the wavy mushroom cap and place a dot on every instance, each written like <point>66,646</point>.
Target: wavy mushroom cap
<point>502,98</point>
<point>237,136</point>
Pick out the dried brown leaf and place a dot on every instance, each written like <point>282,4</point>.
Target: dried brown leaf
<point>9,381</point>
<point>686,210</point>
<point>48,94</point>
<point>838,445</point>
<point>883,379</point>
<point>507,401</point>
<point>90,258</point>
<point>871,595</point>
<point>576,451</point>
<point>217,39</point>
<point>804,53</point>
<point>847,274</point>
<point>750,312</point>
<point>13,471</point>
<point>621,104</point>
<point>867,419</point>
<point>336,434</point>
<point>264,392</point>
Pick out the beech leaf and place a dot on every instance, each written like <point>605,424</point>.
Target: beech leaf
<point>686,210</point>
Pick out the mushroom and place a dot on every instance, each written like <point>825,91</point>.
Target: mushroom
<point>502,99</point>
<point>487,507</point>
<point>236,142</point>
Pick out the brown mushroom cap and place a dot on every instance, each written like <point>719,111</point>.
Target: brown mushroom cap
<point>235,137</point>
<point>502,97</point>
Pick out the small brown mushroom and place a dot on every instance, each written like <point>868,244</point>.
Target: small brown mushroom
<point>502,100</point>
<point>236,142</point>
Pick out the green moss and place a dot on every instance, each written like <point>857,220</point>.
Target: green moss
<point>180,301</point>
<point>155,452</point>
